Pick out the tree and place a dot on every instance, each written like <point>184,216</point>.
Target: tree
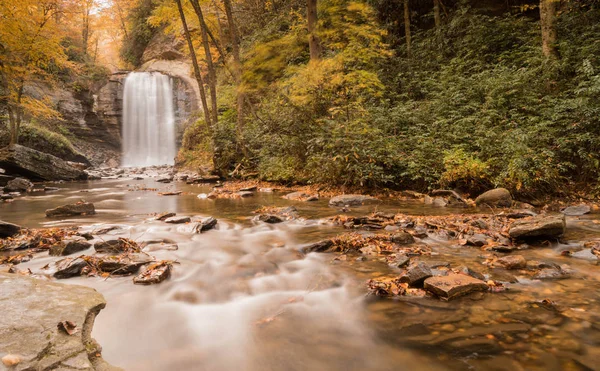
<point>547,21</point>
<point>212,75</point>
<point>407,27</point>
<point>197,74</point>
<point>31,46</point>
<point>314,43</point>
<point>237,69</point>
<point>86,32</point>
<point>436,14</point>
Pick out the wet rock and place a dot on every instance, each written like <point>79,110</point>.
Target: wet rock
<point>501,275</point>
<point>163,216</point>
<point>350,200</point>
<point>513,262</point>
<point>6,196</point>
<point>158,244</point>
<point>552,273</point>
<point>153,274</point>
<point>69,267</point>
<point>178,219</point>
<point>538,227</point>
<point>245,194</point>
<point>454,285</point>
<point>520,214</point>
<point>69,246</point>
<point>499,197</point>
<point>477,239</point>
<point>536,264</point>
<point>402,238</point>
<point>248,189</point>
<point>116,246</point>
<point>31,311</point>
<point>8,229</point>
<point>301,196</point>
<point>469,272</point>
<point>400,261</point>
<point>449,197</point>
<point>577,210</point>
<point>37,165</point>
<point>165,179</point>
<point>79,208</point>
<point>51,189</point>
<point>439,202</point>
<point>270,218</point>
<point>321,246</point>
<point>18,185</point>
<point>208,224</point>
<point>416,274</point>
<point>123,266</point>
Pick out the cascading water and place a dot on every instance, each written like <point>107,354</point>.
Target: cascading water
<point>148,120</point>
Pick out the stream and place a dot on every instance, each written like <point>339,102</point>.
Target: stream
<point>243,297</point>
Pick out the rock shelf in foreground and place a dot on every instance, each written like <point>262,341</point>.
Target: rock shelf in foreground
<point>29,325</point>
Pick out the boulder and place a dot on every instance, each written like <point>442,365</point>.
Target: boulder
<point>541,226</point>
<point>79,208</point>
<point>449,196</point>
<point>18,185</point>
<point>31,311</point>
<point>499,197</point>
<point>402,238</point>
<point>36,165</point>
<point>416,274</point>
<point>350,200</point>
<point>69,246</point>
<point>454,285</point>
<point>8,229</point>
<point>321,246</point>
<point>577,210</point>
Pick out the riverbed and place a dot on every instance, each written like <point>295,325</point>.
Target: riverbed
<point>244,297</point>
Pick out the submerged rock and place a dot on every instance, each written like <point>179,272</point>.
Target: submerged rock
<point>163,216</point>
<point>37,165</point>
<point>31,311</point>
<point>402,238</point>
<point>8,229</point>
<point>70,246</point>
<point>79,208</point>
<point>301,196</point>
<point>499,197</point>
<point>454,285</point>
<point>321,246</point>
<point>350,200</point>
<point>513,262</point>
<point>541,226</point>
<point>577,210</point>
<point>18,185</point>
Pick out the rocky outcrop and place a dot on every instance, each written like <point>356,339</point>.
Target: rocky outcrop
<point>499,197</point>
<point>541,226</point>
<point>48,326</point>
<point>37,165</point>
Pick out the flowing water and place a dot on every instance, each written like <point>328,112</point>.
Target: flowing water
<point>148,120</point>
<point>243,297</point>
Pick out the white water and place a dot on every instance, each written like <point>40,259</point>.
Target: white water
<point>148,120</point>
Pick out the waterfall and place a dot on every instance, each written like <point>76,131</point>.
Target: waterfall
<point>148,120</point>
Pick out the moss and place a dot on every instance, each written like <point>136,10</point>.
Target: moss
<point>42,139</point>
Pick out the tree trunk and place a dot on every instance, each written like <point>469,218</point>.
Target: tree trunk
<point>436,14</point>
<point>14,133</point>
<point>195,63</point>
<point>407,27</point>
<point>314,43</point>
<point>235,46</point>
<point>547,21</point>
<point>212,75</point>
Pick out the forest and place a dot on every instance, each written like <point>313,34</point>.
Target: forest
<point>412,94</point>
